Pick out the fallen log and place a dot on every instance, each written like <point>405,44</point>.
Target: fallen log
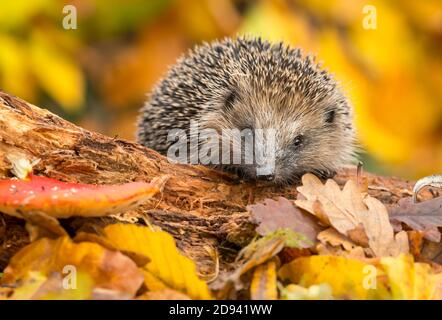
<point>202,208</point>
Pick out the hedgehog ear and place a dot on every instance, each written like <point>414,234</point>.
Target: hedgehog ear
<point>330,116</point>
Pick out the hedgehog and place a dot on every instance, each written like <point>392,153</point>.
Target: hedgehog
<point>245,86</point>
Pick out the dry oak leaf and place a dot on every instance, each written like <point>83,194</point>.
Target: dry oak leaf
<point>348,210</point>
<point>333,242</point>
<point>263,286</point>
<point>423,216</point>
<point>108,269</point>
<point>327,250</point>
<point>334,238</point>
<point>167,268</point>
<point>273,215</point>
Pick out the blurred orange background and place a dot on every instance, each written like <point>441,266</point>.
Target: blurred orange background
<point>387,55</point>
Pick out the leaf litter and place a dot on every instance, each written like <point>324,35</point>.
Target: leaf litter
<point>329,243</point>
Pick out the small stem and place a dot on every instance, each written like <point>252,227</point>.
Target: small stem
<point>359,172</point>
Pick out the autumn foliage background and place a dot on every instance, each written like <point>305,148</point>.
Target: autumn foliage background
<point>98,74</point>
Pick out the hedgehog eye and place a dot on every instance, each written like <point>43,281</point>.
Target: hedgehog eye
<point>230,100</point>
<point>330,116</point>
<point>297,142</point>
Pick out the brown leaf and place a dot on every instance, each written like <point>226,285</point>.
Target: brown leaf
<point>359,236</point>
<point>432,251</point>
<point>346,210</point>
<point>416,241</point>
<point>423,216</point>
<point>255,254</point>
<point>273,215</point>
<point>340,207</point>
<point>263,252</point>
<point>334,238</point>
<point>39,224</point>
<point>379,231</point>
<point>328,250</point>
<point>288,254</point>
<point>334,243</point>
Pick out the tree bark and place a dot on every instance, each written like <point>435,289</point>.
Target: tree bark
<point>202,208</point>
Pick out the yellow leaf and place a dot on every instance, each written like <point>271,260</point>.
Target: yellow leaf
<point>39,286</point>
<point>17,13</point>
<point>57,73</point>
<point>342,12</point>
<point>28,288</point>
<point>314,292</point>
<point>391,29</point>
<point>199,21</point>
<point>349,278</point>
<point>166,263</point>
<point>53,288</point>
<point>14,74</point>
<point>275,21</point>
<point>108,269</point>
<point>410,280</point>
<point>263,286</point>
<point>152,282</point>
<point>390,278</point>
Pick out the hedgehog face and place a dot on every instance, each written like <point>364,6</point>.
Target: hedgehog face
<point>288,132</point>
